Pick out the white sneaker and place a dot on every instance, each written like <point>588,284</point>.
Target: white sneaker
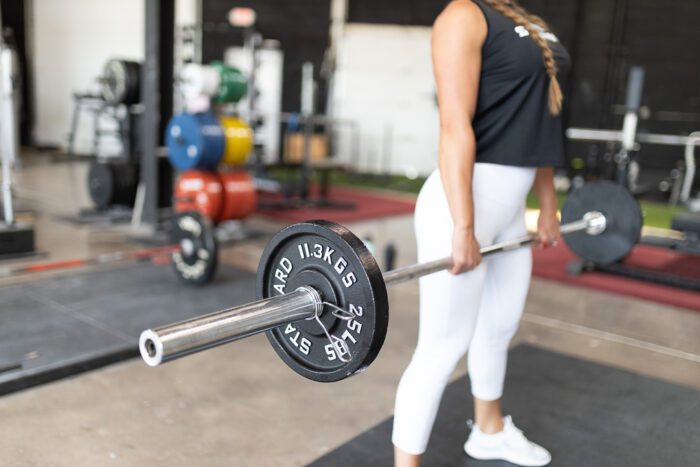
<point>510,445</point>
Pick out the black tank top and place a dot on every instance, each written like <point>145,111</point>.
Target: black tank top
<point>512,123</point>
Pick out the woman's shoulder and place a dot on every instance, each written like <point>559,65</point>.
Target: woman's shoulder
<point>461,14</point>
<point>460,17</point>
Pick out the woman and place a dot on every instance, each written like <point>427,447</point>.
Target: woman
<point>496,68</point>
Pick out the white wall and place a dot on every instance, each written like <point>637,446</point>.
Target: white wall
<point>72,39</point>
<point>384,83</point>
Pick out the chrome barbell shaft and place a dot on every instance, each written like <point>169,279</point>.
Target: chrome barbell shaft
<point>200,333</point>
<point>203,332</point>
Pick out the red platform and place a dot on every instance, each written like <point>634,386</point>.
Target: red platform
<point>550,263</point>
<point>369,204</point>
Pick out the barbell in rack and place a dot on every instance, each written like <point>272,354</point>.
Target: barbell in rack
<point>323,300</point>
<point>193,253</point>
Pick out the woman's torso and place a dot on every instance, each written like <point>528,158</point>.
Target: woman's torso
<point>512,122</point>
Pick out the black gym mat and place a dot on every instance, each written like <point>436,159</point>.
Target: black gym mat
<point>585,414</point>
<point>62,326</point>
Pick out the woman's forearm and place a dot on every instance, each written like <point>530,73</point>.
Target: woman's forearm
<point>456,162</point>
<point>544,190</point>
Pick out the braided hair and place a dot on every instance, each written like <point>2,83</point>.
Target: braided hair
<point>535,26</point>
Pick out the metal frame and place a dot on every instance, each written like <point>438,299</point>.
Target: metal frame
<point>9,128</point>
<point>690,142</point>
<point>157,92</point>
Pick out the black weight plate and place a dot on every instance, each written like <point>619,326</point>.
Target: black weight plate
<point>120,82</point>
<point>197,260</point>
<point>114,82</point>
<point>133,89</point>
<point>623,221</point>
<point>331,259</point>
<point>100,181</point>
<point>126,183</point>
<point>166,175</point>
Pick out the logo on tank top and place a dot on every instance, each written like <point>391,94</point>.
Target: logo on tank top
<point>522,32</point>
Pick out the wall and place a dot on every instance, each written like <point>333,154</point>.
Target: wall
<point>390,94</point>
<point>72,39</point>
<point>403,12</point>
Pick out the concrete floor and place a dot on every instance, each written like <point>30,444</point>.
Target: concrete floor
<point>240,405</point>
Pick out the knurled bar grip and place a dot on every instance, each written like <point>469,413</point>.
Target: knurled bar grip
<point>203,332</point>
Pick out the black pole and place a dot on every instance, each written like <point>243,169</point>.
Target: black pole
<point>157,92</point>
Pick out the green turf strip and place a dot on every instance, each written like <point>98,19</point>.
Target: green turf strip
<point>655,214</point>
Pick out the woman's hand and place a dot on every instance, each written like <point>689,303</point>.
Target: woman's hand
<point>548,229</point>
<point>465,251</point>
<point>547,224</point>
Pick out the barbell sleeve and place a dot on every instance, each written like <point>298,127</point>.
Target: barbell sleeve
<point>203,332</point>
<point>593,223</point>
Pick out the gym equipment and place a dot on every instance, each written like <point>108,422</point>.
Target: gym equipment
<point>219,197</point>
<point>239,141</point>
<point>112,183</point>
<point>298,190</point>
<point>389,256</point>
<point>115,183</point>
<point>196,258</point>
<point>689,143</point>
<point>348,285</point>
<point>627,167</point>
<point>197,80</point>
<point>16,239</point>
<point>689,225</point>
<point>623,221</point>
<point>194,141</point>
<point>121,82</point>
<point>232,84</point>
<point>193,253</point>
<point>323,298</point>
<point>685,239</point>
<point>200,191</point>
<point>239,195</point>
<point>223,83</point>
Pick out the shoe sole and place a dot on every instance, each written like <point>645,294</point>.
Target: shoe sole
<point>502,458</point>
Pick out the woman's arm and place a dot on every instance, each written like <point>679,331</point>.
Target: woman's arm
<point>547,224</point>
<point>458,35</point>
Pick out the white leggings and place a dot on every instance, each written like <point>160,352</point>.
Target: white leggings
<point>478,311</point>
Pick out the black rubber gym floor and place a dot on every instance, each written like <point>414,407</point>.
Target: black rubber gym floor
<point>585,414</point>
<point>59,327</point>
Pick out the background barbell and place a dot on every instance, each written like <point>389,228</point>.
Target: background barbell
<point>193,253</point>
<point>323,298</point>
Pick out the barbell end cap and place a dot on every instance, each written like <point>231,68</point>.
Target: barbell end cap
<point>151,348</point>
<point>596,222</point>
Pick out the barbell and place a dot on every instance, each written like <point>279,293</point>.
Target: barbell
<point>323,299</point>
<point>193,252</point>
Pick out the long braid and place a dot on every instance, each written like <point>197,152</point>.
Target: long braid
<point>511,10</point>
